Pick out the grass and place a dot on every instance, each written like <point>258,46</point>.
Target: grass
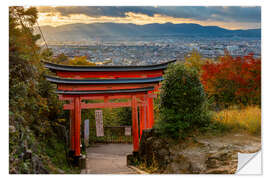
<point>248,118</point>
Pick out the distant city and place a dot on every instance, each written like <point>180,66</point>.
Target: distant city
<point>153,50</point>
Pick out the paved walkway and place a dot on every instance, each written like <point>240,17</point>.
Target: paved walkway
<point>108,159</point>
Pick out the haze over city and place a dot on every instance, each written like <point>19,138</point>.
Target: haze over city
<point>150,34</point>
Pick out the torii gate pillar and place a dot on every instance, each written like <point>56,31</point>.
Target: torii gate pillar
<point>72,129</point>
<point>76,83</point>
<point>150,112</point>
<point>135,129</point>
<point>77,123</point>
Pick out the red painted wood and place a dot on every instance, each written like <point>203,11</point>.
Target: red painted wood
<point>141,120</point>
<point>145,102</point>
<point>85,96</point>
<point>93,97</point>
<point>144,116</point>
<point>68,106</point>
<point>135,125</point>
<point>105,105</point>
<point>147,114</point>
<point>61,97</point>
<point>150,112</point>
<point>84,87</point>
<point>111,75</point>
<point>77,111</point>
<point>106,99</point>
<point>101,105</point>
<point>72,125</point>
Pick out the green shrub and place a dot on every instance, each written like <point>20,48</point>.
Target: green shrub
<point>183,104</point>
<point>34,108</point>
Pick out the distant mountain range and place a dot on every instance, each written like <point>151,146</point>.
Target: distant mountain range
<point>78,32</point>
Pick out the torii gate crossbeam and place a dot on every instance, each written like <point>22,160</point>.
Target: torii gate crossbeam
<point>137,84</point>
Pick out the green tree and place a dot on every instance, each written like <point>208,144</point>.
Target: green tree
<point>195,60</point>
<point>60,59</point>
<point>182,102</point>
<point>81,60</point>
<point>34,109</point>
<point>124,116</point>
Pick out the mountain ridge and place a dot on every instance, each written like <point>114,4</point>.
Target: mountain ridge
<point>81,31</point>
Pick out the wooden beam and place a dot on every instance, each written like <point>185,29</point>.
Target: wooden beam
<point>111,75</point>
<point>68,106</point>
<point>63,98</point>
<point>96,87</point>
<point>84,96</point>
<point>93,97</point>
<point>105,105</point>
<point>110,96</point>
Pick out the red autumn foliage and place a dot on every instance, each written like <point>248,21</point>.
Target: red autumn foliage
<point>233,80</point>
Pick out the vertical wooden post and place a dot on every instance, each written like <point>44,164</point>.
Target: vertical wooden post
<point>71,117</point>
<point>77,114</point>
<point>141,120</point>
<point>135,124</point>
<point>144,112</point>
<point>150,112</point>
<point>143,115</point>
<point>147,114</point>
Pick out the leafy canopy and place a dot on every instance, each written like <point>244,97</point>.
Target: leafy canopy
<point>182,102</point>
<point>233,80</point>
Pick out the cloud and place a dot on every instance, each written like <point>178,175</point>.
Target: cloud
<point>221,13</point>
<point>245,17</point>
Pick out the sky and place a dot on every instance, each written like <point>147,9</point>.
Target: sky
<point>231,17</point>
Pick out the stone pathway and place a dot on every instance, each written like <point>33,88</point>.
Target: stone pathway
<point>108,159</point>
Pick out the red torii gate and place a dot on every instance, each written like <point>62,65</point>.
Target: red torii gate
<point>138,84</point>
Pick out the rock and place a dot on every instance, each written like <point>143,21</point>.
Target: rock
<point>82,162</point>
<point>12,129</point>
<point>218,159</point>
<point>220,170</point>
<point>61,171</point>
<point>130,159</point>
<point>153,150</point>
<point>180,165</point>
<point>28,154</point>
<point>38,166</point>
<point>133,158</point>
<point>212,163</point>
<point>21,155</point>
<point>204,155</point>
